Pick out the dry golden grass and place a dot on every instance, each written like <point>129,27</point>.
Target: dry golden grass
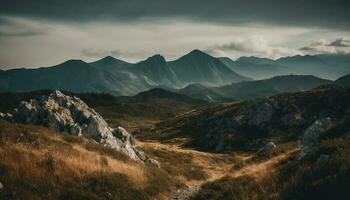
<point>261,169</point>
<point>41,164</point>
<point>51,165</point>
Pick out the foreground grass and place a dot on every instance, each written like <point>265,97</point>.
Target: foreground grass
<point>39,164</point>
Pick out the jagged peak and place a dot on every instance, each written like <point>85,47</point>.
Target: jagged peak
<point>195,54</point>
<point>109,60</point>
<point>156,58</point>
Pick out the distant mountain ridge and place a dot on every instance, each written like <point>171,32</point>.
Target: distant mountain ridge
<point>328,66</point>
<point>254,89</point>
<point>118,77</point>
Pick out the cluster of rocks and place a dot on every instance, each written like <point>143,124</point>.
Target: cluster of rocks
<point>63,113</point>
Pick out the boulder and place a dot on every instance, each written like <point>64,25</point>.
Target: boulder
<point>268,149</point>
<point>63,113</point>
<point>310,138</point>
<point>270,146</point>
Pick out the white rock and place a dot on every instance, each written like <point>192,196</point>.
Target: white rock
<point>61,113</point>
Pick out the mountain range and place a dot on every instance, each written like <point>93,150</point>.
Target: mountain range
<point>328,66</point>
<point>117,77</point>
<point>193,71</point>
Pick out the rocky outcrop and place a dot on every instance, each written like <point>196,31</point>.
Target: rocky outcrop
<point>310,139</point>
<point>63,113</point>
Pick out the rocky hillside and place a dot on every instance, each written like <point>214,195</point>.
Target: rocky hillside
<point>63,113</point>
<point>248,125</point>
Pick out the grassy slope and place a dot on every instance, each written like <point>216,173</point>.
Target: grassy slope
<point>41,164</point>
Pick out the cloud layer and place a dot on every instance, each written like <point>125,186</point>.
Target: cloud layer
<point>339,45</point>
<point>36,33</point>
<point>253,46</point>
<point>321,13</point>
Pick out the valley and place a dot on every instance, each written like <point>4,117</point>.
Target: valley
<point>174,100</point>
<point>236,149</point>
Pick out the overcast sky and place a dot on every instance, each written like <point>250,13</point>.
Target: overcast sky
<point>35,33</point>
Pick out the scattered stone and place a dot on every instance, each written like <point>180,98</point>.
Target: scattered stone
<point>153,162</point>
<point>269,148</point>
<point>187,193</point>
<point>1,186</point>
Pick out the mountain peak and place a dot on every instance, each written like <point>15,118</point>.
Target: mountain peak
<point>156,58</point>
<point>197,52</point>
<point>109,60</point>
<point>74,62</point>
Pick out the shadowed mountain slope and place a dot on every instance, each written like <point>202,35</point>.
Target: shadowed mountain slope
<point>110,75</point>
<point>254,89</point>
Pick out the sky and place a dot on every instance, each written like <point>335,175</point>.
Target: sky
<point>37,33</point>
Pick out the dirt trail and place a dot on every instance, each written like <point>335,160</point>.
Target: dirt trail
<point>216,166</point>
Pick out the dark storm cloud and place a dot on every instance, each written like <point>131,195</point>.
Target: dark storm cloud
<point>328,13</point>
<point>20,34</point>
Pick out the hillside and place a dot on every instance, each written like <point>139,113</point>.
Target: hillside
<point>290,146</point>
<point>236,125</point>
<point>217,151</point>
<point>343,81</point>
<point>254,89</point>
<point>38,163</point>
